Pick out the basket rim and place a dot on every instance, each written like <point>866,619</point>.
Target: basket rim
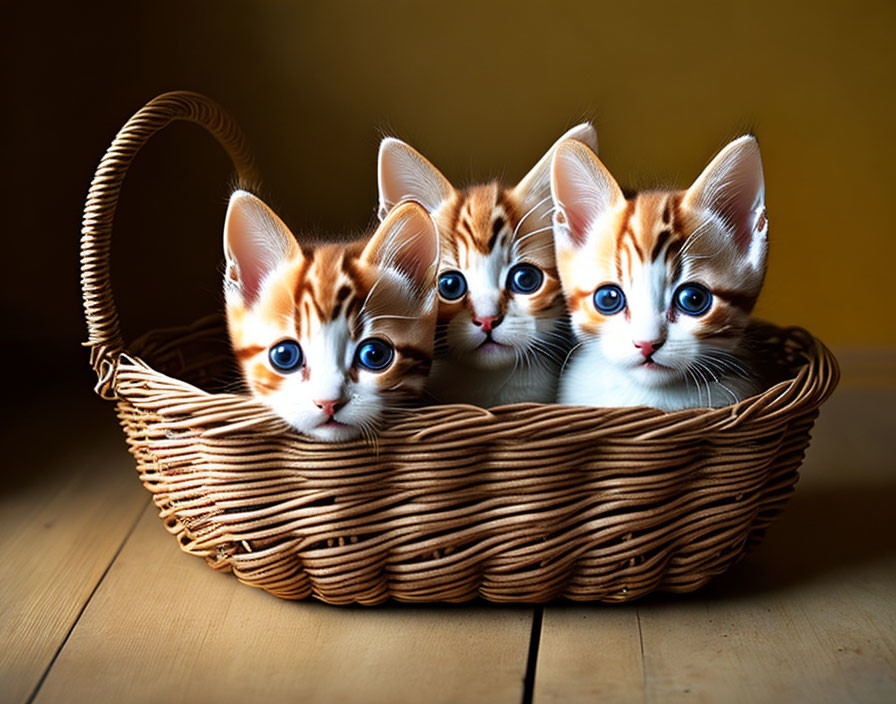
<point>180,404</point>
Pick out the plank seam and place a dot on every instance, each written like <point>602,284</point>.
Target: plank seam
<point>532,659</point>
<point>46,672</point>
<point>643,659</point>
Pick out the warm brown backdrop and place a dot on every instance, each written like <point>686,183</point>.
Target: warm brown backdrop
<point>482,89</point>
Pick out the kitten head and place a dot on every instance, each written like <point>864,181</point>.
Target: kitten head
<point>499,295</point>
<point>332,336</point>
<point>663,281</point>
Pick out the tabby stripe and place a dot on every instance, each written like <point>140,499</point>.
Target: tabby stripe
<point>546,298</point>
<point>302,282</point>
<point>630,257</point>
<point>624,227</point>
<point>265,375</point>
<point>352,273</point>
<point>353,306</point>
<point>412,352</point>
<point>672,258</point>
<point>511,212</point>
<point>244,353</point>
<point>306,294</point>
<point>352,315</point>
<point>260,387</point>
<point>715,334</point>
<point>661,241</point>
<point>736,299</point>
<point>451,221</point>
<point>634,243</point>
<point>416,368</point>
<point>674,248</point>
<point>575,299</point>
<point>337,309</point>
<point>675,201</point>
<point>715,325</point>
<point>306,316</point>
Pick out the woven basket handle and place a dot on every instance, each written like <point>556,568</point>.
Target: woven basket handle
<point>104,339</point>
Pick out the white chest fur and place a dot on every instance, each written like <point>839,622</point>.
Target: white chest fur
<point>591,380</point>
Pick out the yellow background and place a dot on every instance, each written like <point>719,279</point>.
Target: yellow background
<point>482,89</point>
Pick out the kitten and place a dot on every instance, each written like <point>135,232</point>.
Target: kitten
<point>329,337</point>
<point>502,330</point>
<point>660,285</point>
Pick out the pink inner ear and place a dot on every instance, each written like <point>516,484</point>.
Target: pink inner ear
<point>736,199</point>
<point>740,216</point>
<point>578,221</point>
<point>257,240</point>
<point>406,174</point>
<point>583,186</point>
<point>245,251</point>
<point>417,252</point>
<point>406,241</point>
<point>732,186</point>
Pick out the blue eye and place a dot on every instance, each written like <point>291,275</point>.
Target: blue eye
<point>693,299</point>
<point>524,278</point>
<point>609,299</point>
<point>286,356</point>
<point>374,354</point>
<point>452,285</point>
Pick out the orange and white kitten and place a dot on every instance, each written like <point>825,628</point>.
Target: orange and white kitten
<point>502,331</point>
<point>660,285</point>
<point>331,336</point>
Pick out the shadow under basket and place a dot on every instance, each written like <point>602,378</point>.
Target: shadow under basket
<point>523,503</point>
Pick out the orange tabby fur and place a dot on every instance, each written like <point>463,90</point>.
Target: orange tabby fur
<point>329,298</point>
<point>651,246</point>
<point>486,231</point>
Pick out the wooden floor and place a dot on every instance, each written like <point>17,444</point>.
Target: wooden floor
<point>98,604</point>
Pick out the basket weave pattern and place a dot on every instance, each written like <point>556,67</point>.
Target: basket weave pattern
<point>521,503</point>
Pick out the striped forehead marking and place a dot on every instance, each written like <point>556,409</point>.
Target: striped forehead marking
<point>476,220</point>
<point>649,227</point>
<point>324,291</point>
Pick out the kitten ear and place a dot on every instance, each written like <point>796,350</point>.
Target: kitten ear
<point>256,241</point>
<point>535,186</point>
<point>582,190</point>
<point>733,187</point>
<point>408,242</point>
<point>405,174</point>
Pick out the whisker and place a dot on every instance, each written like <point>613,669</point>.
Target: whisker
<point>566,361</point>
<point>528,213</point>
<point>522,239</point>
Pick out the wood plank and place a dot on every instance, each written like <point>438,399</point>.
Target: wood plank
<point>804,636</point>
<point>70,496</point>
<point>165,627</point>
<point>589,654</point>
<point>807,617</point>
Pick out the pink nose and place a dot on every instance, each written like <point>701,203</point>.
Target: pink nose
<point>330,407</point>
<point>488,322</point>
<point>648,348</point>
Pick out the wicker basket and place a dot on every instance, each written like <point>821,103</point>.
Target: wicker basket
<point>522,503</point>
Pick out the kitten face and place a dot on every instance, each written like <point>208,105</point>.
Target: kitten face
<point>331,337</point>
<point>499,293</point>
<point>662,284</point>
